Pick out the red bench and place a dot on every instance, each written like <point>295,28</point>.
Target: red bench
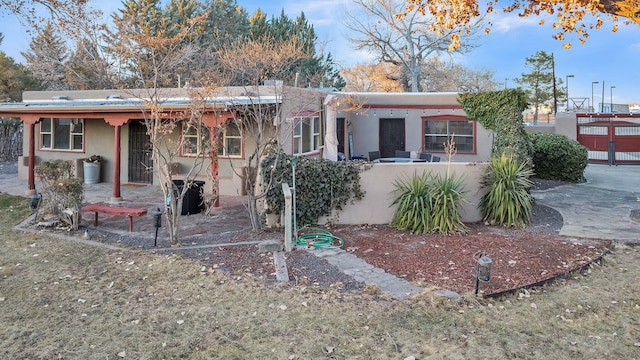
<point>115,210</point>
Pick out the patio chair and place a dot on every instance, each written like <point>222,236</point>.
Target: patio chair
<point>435,158</point>
<point>403,154</point>
<point>374,155</point>
<point>425,156</point>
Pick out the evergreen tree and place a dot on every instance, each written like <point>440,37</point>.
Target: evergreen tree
<point>541,87</point>
<point>86,69</point>
<point>46,59</point>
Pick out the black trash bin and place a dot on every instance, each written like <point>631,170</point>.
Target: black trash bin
<point>192,202</point>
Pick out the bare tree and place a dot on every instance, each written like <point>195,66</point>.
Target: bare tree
<point>404,41</point>
<point>151,58</point>
<point>263,124</point>
<point>439,75</point>
<point>372,77</point>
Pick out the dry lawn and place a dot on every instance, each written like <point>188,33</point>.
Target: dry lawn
<point>64,300</point>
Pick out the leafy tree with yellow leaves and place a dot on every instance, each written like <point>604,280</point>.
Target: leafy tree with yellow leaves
<point>572,15</point>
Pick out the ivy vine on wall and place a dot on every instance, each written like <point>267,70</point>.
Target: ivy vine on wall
<point>321,185</point>
<point>501,111</point>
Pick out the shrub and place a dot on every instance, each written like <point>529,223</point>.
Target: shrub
<point>427,204</point>
<point>556,157</point>
<point>321,185</point>
<point>508,201</point>
<point>62,191</point>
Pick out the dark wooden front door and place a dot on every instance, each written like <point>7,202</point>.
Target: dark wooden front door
<point>140,153</point>
<point>391,136</point>
<point>340,134</point>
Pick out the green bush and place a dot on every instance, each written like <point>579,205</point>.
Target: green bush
<point>508,201</point>
<point>322,185</point>
<point>427,204</point>
<point>556,157</point>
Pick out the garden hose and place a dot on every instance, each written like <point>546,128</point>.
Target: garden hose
<point>318,238</point>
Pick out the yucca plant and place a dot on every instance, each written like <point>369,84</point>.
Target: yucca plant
<point>414,204</point>
<point>508,201</point>
<point>447,195</point>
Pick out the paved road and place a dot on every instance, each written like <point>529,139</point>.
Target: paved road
<point>602,207</point>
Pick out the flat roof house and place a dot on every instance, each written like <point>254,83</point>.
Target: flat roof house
<point>73,125</point>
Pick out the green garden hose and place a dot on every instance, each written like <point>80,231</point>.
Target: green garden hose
<point>318,238</point>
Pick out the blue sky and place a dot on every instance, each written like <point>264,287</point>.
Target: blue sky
<point>612,58</point>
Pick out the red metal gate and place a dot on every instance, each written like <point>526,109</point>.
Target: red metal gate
<point>610,138</point>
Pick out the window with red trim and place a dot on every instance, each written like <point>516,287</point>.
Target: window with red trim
<point>438,131</point>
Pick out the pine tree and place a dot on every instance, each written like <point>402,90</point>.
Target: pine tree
<point>46,59</point>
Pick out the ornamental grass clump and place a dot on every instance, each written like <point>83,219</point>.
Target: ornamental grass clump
<point>428,204</point>
<point>414,204</point>
<point>508,201</point>
<point>447,194</point>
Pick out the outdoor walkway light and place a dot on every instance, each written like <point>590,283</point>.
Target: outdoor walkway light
<point>484,268</point>
<point>157,223</point>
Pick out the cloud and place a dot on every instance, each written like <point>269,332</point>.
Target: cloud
<point>506,23</point>
<point>635,48</point>
<point>319,12</point>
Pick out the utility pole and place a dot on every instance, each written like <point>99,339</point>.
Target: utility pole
<point>602,102</point>
<point>555,93</point>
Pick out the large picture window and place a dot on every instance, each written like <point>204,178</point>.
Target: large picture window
<point>62,134</point>
<point>307,135</point>
<point>439,130</point>
<point>195,140</point>
<point>231,141</point>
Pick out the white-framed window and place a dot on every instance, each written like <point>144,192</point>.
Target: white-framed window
<point>231,140</point>
<point>62,134</point>
<point>195,139</point>
<point>438,130</point>
<point>307,134</point>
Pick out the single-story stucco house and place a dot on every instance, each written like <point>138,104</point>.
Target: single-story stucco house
<point>74,125</point>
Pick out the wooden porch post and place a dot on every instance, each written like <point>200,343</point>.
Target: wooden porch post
<point>31,182</point>
<point>116,170</point>
<point>116,120</point>
<point>214,167</point>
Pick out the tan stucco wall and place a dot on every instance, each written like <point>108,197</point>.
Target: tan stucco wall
<point>377,183</point>
<point>565,124</point>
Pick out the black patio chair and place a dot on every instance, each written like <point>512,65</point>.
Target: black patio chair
<point>435,158</point>
<point>374,155</point>
<point>403,154</point>
<point>425,156</point>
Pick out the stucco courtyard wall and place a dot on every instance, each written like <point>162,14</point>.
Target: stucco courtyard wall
<point>377,183</point>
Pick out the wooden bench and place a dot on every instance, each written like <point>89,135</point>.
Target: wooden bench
<point>115,210</point>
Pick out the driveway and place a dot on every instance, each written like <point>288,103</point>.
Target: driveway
<point>601,208</point>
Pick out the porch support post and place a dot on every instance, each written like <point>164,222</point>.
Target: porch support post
<point>31,182</point>
<point>116,169</point>
<point>212,121</point>
<point>330,138</point>
<point>214,168</point>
